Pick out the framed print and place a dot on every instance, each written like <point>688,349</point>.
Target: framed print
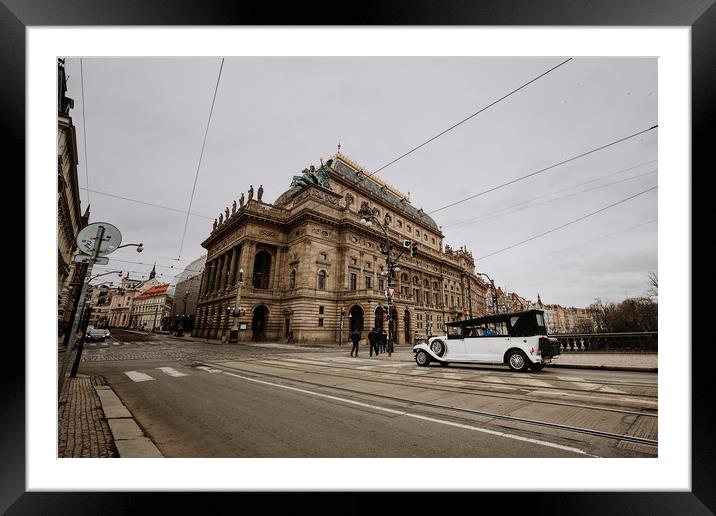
<point>191,113</point>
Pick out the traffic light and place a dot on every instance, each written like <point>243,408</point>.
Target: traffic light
<point>413,249</point>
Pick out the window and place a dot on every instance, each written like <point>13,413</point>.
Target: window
<point>293,279</point>
<point>433,241</point>
<point>354,260</point>
<point>400,223</point>
<point>367,282</point>
<point>320,321</point>
<point>381,284</point>
<point>409,228</point>
<point>320,310</point>
<point>367,265</point>
<point>354,279</point>
<point>323,256</point>
<point>322,280</point>
<point>417,232</point>
<point>436,300</point>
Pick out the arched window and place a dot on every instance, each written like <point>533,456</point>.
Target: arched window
<point>404,277</point>
<point>262,270</point>
<point>293,279</point>
<point>426,283</point>
<point>321,280</point>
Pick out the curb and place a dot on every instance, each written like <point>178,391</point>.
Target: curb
<point>129,440</point>
<point>609,368</point>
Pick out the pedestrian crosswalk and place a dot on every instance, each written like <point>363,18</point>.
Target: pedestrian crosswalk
<point>138,376</point>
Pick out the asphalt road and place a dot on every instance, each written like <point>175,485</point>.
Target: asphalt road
<point>202,400</point>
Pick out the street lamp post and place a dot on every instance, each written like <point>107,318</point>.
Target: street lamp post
<point>234,333</point>
<point>495,308</point>
<point>340,327</point>
<point>367,219</point>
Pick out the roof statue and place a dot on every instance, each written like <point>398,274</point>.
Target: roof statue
<point>311,176</point>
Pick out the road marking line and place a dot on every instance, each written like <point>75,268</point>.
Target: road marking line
<point>92,343</point>
<point>209,369</point>
<point>171,371</point>
<point>417,416</point>
<point>116,343</point>
<point>136,376</point>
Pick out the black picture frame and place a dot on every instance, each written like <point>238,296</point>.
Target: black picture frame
<point>699,15</point>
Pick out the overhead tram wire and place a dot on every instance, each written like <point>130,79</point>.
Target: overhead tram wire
<point>543,169</point>
<point>457,224</point>
<point>568,223</point>
<point>201,155</point>
<point>466,119</point>
<point>145,203</point>
<point>575,245</point>
<point>84,127</point>
<point>519,207</point>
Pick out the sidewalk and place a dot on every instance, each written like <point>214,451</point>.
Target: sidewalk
<point>93,423</point>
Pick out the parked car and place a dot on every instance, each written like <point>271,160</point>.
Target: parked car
<point>518,339</point>
<point>97,334</point>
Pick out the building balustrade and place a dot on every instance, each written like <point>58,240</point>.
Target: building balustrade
<point>644,342</point>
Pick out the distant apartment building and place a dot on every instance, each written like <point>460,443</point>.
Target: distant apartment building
<point>150,307</point>
<point>186,292</point>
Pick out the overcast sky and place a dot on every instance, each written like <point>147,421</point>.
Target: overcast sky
<point>146,119</point>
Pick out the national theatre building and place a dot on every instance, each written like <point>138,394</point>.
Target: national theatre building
<point>306,264</point>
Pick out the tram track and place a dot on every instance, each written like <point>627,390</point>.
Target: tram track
<point>435,406</point>
<point>281,363</point>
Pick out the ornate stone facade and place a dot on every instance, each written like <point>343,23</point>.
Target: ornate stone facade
<point>310,267</point>
<point>69,217</point>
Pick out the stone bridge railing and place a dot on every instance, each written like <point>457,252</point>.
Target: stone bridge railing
<point>639,342</point>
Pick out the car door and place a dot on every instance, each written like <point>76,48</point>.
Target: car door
<point>497,347</point>
<point>477,348</point>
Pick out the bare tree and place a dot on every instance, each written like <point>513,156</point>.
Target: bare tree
<point>653,284</point>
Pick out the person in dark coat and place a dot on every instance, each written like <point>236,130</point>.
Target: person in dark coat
<point>355,338</point>
<point>373,340</point>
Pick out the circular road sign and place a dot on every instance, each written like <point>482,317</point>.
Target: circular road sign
<point>111,238</point>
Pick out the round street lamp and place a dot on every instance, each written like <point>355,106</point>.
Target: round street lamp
<point>367,220</point>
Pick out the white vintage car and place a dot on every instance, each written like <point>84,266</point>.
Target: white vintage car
<point>518,339</point>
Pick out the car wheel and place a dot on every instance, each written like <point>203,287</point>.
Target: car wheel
<point>517,360</point>
<point>536,367</point>
<point>422,358</point>
<point>438,347</point>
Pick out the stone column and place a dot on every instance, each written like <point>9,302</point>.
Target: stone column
<point>232,267</point>
<point>219,273</point>
<point>276,269</point>
<point>212,277</point>
<point>246,262</point>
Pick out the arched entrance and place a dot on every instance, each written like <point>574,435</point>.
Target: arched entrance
<point>258,323</point>
<point>379,316</point>
<point>406,326</point>
<point>356,317</point>
<point>262,270</point>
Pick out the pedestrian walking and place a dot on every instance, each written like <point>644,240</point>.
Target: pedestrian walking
<point>355,337</point>
<point>373,341</point>
<point>290,337</point>
<point>383,337</point>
